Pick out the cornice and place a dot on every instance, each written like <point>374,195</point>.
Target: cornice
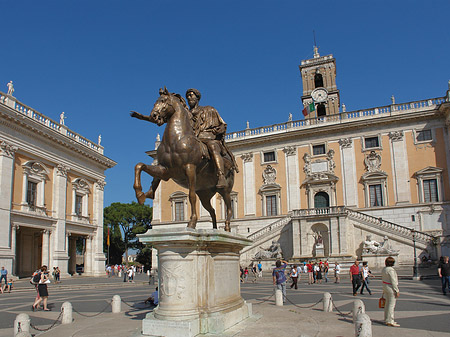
<point>335,128</point>
<point>32,128</point>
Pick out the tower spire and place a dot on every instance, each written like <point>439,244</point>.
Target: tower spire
<point>316,49</point>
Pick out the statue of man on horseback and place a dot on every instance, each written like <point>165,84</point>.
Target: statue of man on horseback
<point>192,152</point>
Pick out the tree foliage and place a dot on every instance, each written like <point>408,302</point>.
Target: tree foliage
<point>125,222</point>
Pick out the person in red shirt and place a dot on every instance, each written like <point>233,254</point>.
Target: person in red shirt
<point>310,273</point>
<point>355,277</point>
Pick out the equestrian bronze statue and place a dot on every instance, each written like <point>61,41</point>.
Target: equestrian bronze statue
<point>192,152</point>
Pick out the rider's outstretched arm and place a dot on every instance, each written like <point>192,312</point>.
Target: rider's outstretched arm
<point>141,116</point>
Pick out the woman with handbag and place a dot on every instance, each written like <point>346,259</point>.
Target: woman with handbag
<point>390,291</point>
<point>42,289</point>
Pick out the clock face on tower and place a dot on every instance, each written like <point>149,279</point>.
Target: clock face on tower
<point>319,95</point>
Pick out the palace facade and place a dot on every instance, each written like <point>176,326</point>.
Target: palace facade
<point>51,203</point>
<point>338,175</point>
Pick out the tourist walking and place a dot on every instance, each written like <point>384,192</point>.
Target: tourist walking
<point>294,276</point>
<point>245,274</point>
<point>310,273</point>
<point>279,278</point>
<point>259,269</point>
<point>255,273</point>
<point>337,272</point>
<point>365,273</point>
<point>444,274</point>
<point>42,289</point>
<point>58,275</point>
<point>355,277</point>
<point>390,291</point>
<point>4,276</point>
<point>326,266</point>
<point>319,270</point>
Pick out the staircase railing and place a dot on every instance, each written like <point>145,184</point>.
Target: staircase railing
<point>269,228</point>
<point>406,232</point>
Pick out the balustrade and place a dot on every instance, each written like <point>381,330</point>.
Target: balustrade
<point>25,110</point>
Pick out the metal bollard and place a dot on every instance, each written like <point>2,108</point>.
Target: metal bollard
<point>21,323</point>
<point>116,304</point>
<point>358,307</point>
<point>278,297</point>
<point>327,302</point>
<point>66,309</point>
<point>363,326</point>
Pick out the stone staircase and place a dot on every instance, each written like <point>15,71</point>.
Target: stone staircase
<point>361,220</point>
<point>403,234</point>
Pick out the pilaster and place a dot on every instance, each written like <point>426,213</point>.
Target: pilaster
<point>59,208</point>
<point>292,175</point>
<point>249,185</point>
<point>98,263</point>
<point>348,167</point>
<point>399,160</point>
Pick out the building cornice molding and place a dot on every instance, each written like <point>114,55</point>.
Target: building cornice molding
<point>32,128</point>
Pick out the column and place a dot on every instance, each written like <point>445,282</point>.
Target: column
<point>14,248</point>
<point>334,237</point>
<point>45,247</point>
<point>296,238</point>
<point>348,167</point>
<point>88,256</point>
<point>98,257</point>
<point>59,236</point>
<point>400,169</point>
<point>292,178</point>
<point>7,152</point>
<point>249,185</point>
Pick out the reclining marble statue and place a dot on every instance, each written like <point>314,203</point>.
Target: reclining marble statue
<point>374,247</point>
<point>192,152</point>
<point>273,252</point>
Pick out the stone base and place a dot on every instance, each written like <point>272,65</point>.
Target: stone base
<point>212,324</point>
<point>319,251</point>
<point>199,285</point>
<point>376,261</point>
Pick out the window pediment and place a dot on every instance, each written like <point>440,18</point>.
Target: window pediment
<point>321,178</point>
<point>81,185</point>
<point>374,176</point>
<point>37,169</point>
<point>269,188</point>
<point>177,195</point>
<point>428,171</point>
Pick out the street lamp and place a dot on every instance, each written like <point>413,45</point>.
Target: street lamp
<point>415,274</point>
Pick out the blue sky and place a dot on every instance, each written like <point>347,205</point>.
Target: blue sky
<point>97,60</point>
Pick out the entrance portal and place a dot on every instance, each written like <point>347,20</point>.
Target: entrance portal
<point>29,251</point>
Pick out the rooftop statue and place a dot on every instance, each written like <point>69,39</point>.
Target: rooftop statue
<point>10,88</point>
<point>192,153</point>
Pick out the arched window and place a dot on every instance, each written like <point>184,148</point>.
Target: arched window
<point>318,80</point>
<point>321,111</point>
<point>321,200</point>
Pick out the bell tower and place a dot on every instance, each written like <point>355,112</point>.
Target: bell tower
<point>320,94</point>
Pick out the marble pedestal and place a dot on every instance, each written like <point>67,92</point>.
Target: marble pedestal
<point>376,261</point>
<point>319,250</point>
<point>199,286</point>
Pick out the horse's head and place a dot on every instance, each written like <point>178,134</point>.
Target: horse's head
<point>165,106</point>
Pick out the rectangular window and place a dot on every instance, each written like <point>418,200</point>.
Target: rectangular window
<point>269,157</point>
<point>79,205</point>
<point>318,149</point>
<point>371,142</point>
<point>31,193</point>
<point>376,196</point>
<point>424,135</point>
<point>271,205</point>
<point>179,211</point>
<point>430,193</point>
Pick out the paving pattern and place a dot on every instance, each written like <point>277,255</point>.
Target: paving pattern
<point>421,310</point>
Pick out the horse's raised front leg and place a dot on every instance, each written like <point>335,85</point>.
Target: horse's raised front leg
<point>191,175</point>
<point>156,171</point>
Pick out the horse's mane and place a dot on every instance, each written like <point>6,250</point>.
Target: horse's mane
<point>182,100</point>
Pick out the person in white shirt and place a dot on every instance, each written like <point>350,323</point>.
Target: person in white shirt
<point>337,272</point>
<point>365,271</point>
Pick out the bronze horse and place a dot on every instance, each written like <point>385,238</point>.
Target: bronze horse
<point>181,156</point>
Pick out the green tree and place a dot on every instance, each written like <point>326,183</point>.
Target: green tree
<point>128,220</point>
